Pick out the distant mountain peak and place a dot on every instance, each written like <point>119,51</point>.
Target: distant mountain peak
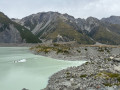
<point>112,19</point>
<point>92,19</point>
<point>56,27</point>
<point>113,16</point>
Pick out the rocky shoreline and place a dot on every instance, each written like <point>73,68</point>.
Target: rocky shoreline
<point>97,75</point>
<point>100,72</point>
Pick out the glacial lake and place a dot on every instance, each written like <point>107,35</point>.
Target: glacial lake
<point>32,72</point>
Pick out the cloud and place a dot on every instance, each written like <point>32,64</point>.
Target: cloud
<point>77,8</point>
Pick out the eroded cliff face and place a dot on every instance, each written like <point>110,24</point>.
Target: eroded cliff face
<point>10,35</point>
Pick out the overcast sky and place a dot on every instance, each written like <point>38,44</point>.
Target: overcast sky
<point>76,8</point>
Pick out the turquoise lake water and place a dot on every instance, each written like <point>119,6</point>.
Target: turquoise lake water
<point>33,73</point>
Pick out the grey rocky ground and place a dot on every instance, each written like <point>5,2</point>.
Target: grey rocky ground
<point>100,72</point>
<point>91,75</point>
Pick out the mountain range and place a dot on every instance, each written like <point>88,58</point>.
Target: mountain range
<point>57,27</point>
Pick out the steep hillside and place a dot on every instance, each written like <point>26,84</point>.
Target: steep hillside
<point>11,32</point>
<point>65,32</point>
<point>54,26</point>
<point>63,27</point>
<point>105,35</point>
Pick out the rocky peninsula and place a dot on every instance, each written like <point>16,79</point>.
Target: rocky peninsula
<point>100,72</point>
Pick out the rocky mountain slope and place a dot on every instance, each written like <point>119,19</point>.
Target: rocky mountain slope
<point>58,27</point>
<point>11,32</point>
<point>53,26</point>
<point>112,19</point>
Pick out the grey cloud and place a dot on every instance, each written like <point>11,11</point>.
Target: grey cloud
<point>77,8</point>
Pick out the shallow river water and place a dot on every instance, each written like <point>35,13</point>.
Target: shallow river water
<point>19,68</point>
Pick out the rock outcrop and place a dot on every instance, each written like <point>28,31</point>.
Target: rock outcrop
<point>11,35</point>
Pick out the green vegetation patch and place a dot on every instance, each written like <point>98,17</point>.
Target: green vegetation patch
<point>78,51</point>
<point>107,59</point>
<point>86,49</point>
<point>62,51</point>
<point>107,84</point>
<point>83,76</point>
<point>58,48</point>
<point>102,49</point>
<point>108,76</point>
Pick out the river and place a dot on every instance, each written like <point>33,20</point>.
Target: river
<point>19,68</point>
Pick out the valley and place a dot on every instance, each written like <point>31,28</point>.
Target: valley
<point>87,51</point>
